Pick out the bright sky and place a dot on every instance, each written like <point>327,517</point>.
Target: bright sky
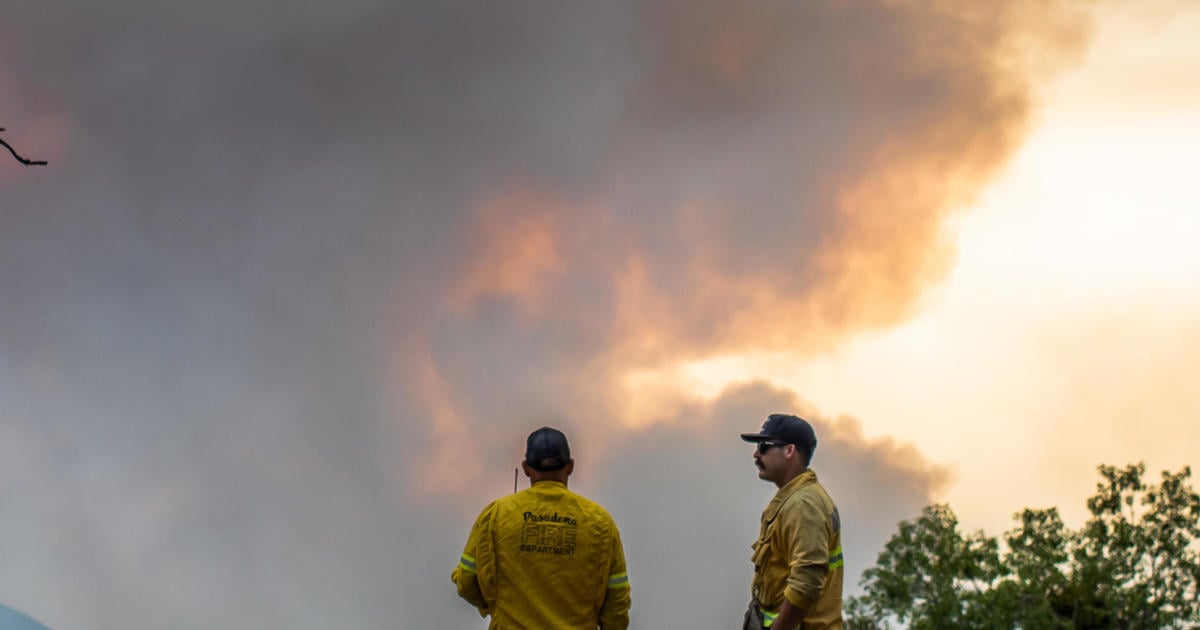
<point>1068,335</point>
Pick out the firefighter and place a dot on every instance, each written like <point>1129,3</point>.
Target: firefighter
<point>546,558</point>
<point>798,555</point>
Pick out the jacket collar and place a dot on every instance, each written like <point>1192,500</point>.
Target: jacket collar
<point>783,494</point>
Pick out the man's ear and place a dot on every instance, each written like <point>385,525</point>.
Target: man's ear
<point>525,467</point>
<point>570,467</point>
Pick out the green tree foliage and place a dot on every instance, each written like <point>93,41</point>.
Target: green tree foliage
<point>1134,564</point>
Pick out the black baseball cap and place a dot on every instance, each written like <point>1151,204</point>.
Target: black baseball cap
<point>547,450</point>
<point>785,427</point>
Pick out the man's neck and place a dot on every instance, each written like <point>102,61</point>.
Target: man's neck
<point>790,476</point>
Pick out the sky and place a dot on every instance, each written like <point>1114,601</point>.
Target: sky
<point>1067,334</point>
<point>297,282</point>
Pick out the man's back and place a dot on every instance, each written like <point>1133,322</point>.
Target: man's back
<point>548,558</point>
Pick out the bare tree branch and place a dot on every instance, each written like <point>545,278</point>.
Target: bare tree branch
<point>19,158</point>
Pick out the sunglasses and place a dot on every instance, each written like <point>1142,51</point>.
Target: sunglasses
<point>763,447</point>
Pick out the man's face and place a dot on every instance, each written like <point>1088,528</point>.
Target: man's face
<point>771,458</point>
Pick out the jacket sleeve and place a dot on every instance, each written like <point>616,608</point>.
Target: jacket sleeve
<point>614,612</point>
<point>807,530</point>
<point>466,575</point>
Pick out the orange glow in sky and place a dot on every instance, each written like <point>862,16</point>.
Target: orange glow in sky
<point>1068,333</point>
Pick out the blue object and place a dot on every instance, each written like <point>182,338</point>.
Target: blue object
<point>13,620</point>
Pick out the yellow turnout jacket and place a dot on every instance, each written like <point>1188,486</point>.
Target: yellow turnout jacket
<point>798,555</point>
<point>545,558</point>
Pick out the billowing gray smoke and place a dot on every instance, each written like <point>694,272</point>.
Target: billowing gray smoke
<point>299,279</point>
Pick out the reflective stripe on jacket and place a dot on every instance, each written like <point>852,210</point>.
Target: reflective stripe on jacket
<point>545,558</point>
<point>798,555</point>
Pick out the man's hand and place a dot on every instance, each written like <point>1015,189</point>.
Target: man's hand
<point>789,617</point>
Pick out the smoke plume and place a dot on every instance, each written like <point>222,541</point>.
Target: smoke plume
<point>299,280</point>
